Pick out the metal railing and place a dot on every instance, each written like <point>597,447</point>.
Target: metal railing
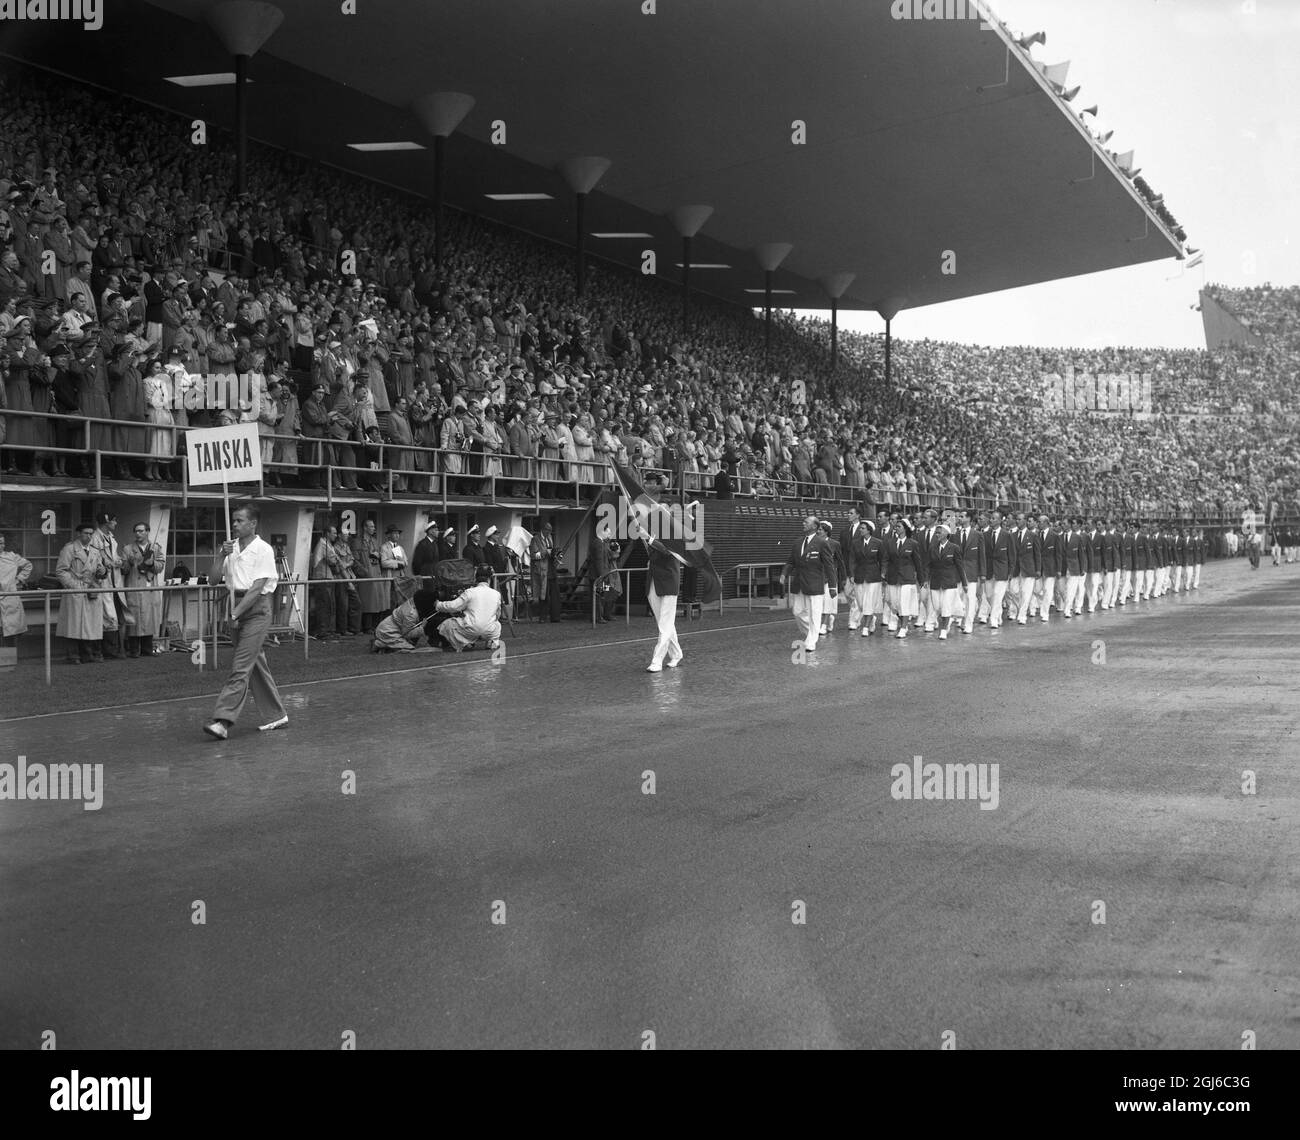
<point>551,473</point>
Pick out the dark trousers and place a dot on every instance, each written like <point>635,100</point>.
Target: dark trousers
<point>606,603</point>
<point>322,611</point>
<point>139,646</point>
<point>347,608</point>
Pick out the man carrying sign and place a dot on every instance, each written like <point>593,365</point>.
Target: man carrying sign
<point>248,565</point>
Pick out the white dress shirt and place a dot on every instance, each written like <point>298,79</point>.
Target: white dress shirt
<point>246,566</point>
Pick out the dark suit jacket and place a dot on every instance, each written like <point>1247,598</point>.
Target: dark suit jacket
<point>475,553</point>
<point>811,566</point>
<point>906,563</point>
<point>1076,553</point>
<point>867,557</point>
<point>947,569</point>
<point>1029,553</point>
<point>665,570</point>
<point>1110,548</point>
<point>845,539</point>
<point>1096,553</point>
<point>1142,551</point>
<point>1000,553</point>
<point>973,554</point>
<point>1052,555</point>
<point>424,558</point>
<point>1127,549</point>
<point>841,565</point>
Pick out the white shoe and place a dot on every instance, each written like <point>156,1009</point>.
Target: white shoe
<point>943,635</point>
<point>674,664</point>
<point>902,633</point>
<point>217,729</point>
<point>281,723</point>
<point>1021,621</point>
<point>654,669</point>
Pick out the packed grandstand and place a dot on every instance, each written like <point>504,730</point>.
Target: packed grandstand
<point>493,363</point>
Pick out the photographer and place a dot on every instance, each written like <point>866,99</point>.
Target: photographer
<point>81,615</point>
<point>605,581</point>
<point>368,563</point>
<point>143,562</point>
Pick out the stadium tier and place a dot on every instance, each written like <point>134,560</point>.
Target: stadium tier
<point>141,299</point>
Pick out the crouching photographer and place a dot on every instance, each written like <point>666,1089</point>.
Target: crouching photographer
<point>475,615</point>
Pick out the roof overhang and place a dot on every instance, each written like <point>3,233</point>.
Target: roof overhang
<point>938,163</point>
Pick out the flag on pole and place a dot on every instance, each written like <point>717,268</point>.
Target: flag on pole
<point>642,506</point>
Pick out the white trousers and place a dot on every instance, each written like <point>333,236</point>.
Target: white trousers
<point>1045,596</point>
<point>1148,582</point>
<point>1025,589</point>
<point>1094,589</point>
<point>665,611</point>
<point>808,616</point>
<point>1109,582</point>
<point>995,592</point>
<point>972,599</point>
<point>1125,589</point>
<point>1196,577</point>
<point>1073,594</point>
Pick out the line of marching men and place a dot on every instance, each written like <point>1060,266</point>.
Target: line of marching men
<point>954,569</point>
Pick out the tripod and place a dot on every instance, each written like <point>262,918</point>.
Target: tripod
<point>282,572</point>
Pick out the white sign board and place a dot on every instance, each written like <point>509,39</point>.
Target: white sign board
<point>224,455</point>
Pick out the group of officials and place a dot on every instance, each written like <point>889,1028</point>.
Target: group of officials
<point>956,568</point>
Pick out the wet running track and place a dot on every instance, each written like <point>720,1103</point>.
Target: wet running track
<point>501,877</point>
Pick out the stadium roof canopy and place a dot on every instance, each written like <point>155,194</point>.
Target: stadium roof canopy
<point>922,136</point>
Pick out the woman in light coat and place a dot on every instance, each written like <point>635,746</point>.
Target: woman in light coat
<point>158,393</point>
<point>14,572</point>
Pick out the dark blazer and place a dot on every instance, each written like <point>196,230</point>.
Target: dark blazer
<point>424,558</point>
<point>498,557</point>
<point>1000,553</point>
<point>446,549</point>
<point>1110,549</point>
<point>1142,551</point>
<point>1052,555</point>
<point>947,568</point>
<point>907,562</point>
<point>841,565</point>
<point>810,568</point>
<point>1127,549</point>
<point>1075,546</point>
<point>867,557</point>
<point>1096,551</point>
<point>924,539</point>
<point>973,553</point>
<point>1029,553</point>
<point>846,537</point>
<point>665,570</point>
<point>475,553</point>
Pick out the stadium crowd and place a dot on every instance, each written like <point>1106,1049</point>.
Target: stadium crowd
<point>129,272</point>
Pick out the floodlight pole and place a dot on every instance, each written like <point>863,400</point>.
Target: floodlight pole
<point>835,331</point>
<point>888,344</point>
<point>767,316</point>
<point>241,124</point>
<point>686,282</point>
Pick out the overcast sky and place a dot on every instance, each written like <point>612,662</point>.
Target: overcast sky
<point>1207,92</point>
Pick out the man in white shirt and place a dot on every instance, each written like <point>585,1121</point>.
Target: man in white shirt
<point>248,566</point>
<point>476,614</point>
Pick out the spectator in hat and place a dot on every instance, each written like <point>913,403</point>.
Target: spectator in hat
<point>372,591</point>
<point>473,551</point>
<point>392,561</point>
<point>426,555</point>
<point>447,545</point>
<point>316,425</point>
<point>542,565</point>
<point>81,614</point>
